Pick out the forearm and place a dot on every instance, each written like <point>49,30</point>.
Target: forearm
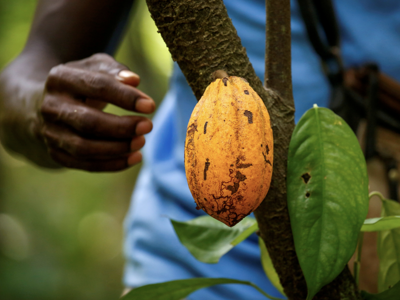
<point>21,89</point>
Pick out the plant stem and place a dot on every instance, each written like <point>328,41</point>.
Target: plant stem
<point>264,293</point>
<point>357,262</point>
<point>272,215</point>
<point>376,193</point>
<point>278,68</point>
<point>245,234</point>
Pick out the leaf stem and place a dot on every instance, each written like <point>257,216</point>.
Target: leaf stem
<point>245,234</point>
<point>376,193</point>
<point>264,293</point>
<point>357,262</point>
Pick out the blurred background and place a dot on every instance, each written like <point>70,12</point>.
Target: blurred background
<point>61,232</point>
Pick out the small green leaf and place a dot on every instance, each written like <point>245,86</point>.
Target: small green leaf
<point>208,239</point>
<point>327,195</point>
<point>269,267</point>
<point>389,249</point>
<point>390,294</point>
<point>179,289</point>
<point>379,224</point>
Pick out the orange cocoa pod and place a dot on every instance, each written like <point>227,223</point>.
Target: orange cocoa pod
<point>229,150</point>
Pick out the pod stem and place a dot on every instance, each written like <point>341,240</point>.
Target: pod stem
<point>219,74</point>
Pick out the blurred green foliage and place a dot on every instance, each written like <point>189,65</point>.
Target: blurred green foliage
<point>61,231</point>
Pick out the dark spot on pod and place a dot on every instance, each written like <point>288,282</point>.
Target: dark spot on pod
<point>240,157</point>
<point>267,149</point>
<point>192,128</point>
<point>246,92</point>
<point>240,176</point>
<point>197,207</point>
<point>206,166</point>
<point>233,188</point>
<point>261,145</point>
<point>225,80</point>
<point>232,165</point>
<point>308,194</point>
<point>205,199</point>
<point>243,166</point>
<point>265,159</point>
<point>249,116</point>
<point>306,177</point>
<point>205,127</point>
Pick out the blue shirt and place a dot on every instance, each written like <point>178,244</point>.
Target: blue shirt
<point>370,33</point>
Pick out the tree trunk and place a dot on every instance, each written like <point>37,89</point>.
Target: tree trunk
<point>202,39</point>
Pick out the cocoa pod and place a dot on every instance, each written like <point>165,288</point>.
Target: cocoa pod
<point>229,150</point>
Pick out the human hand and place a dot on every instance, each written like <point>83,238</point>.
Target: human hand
<point>77,133</point>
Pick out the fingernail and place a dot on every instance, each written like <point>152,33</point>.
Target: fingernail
<point>145,105</point>
<point>127,74</point>
<point>134,158</point>
<point>128,77</point>
<point>144,127</point>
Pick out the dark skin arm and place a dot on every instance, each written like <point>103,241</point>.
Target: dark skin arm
<point>53,93</point>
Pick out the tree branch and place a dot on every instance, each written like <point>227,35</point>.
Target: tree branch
<point>278,63</point>
<point>202,39</point>
<point>272,215</point>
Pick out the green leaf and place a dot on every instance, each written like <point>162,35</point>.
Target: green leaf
<point>179,289</point>
<point>389,249</point>
<point>269,267</point>
<point>390,294</point>
<point>379,224</point>
<point>208,239</point>
<point>327,195</point>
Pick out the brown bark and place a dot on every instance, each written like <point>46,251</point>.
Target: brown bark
<point>202,39</point>
<point>272,215</point>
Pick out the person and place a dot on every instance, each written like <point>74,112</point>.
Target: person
<point>53,93</point>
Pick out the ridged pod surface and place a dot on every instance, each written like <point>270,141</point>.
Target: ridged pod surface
<point>229,150</point>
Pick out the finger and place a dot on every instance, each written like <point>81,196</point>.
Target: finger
<point>90,121</point>
<point>134,158</point>
<point>67,160</point>
<point>100,62</point>
<point>88,84</point>
<point>80,147</point>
